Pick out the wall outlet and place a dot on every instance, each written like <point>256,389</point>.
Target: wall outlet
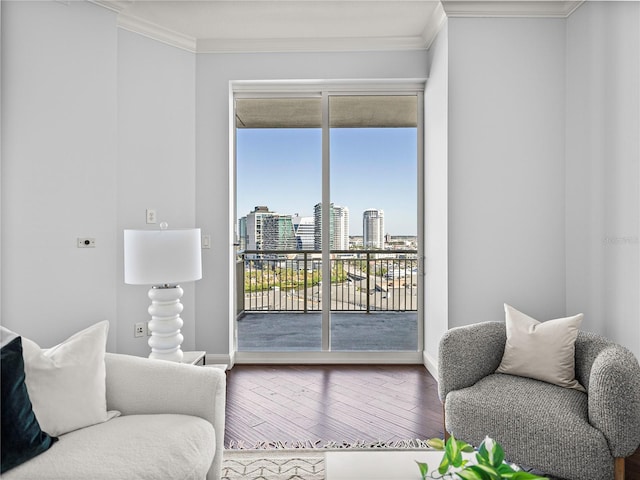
<point>139,329</point>
<point>151,215</point>
<point>86,242</point>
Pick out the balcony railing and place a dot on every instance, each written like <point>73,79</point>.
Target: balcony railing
<point>361,280</point>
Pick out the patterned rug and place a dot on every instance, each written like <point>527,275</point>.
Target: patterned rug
<point>297,464</point>
<point>276,461</point>
<point>309,444</point>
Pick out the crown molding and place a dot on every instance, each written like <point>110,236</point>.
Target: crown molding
<point>143,27</point>
<point>443,10</point>
<point>113,5</point>
<point>510,8</point>
<point>431,30</point>
<point>276,45</point>
<point>157,32</point>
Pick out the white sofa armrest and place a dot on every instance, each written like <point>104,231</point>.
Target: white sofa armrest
<point>137,385</point>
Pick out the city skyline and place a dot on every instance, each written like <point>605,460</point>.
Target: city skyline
<point>265,229</point>
<point>371,168</point>
<point>314,214</point>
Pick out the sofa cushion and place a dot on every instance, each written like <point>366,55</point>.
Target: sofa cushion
<point>22,438</point>
<point>135,447</point>
<point>538,424</point>
<point>66,382</point>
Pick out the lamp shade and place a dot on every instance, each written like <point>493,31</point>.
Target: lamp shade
<point>158,257</point>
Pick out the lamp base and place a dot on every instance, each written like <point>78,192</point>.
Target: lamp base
<point>166,323</point>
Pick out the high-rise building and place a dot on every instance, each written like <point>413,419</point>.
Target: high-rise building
<point>373,228</point>
<point>338,227</point>
<point>251,228</point>
<point>277,232</point>
<point>262,229</point>
<point>303,228</point>
<point>242,234</point>
<point>317,226</point>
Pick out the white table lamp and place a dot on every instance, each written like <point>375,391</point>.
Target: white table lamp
<point>163,258</point>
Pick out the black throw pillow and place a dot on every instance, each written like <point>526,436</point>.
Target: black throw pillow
<point>22,438</point>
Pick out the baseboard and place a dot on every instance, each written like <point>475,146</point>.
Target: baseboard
<point>328,358</point>
<point>431,364</point>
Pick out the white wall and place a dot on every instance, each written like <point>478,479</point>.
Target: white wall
<point>214,71</point>
<point>436,114</point>
<point>58,168</point>
<point>98,125</point>
<point>543,169</point>
<point>603,173</point>
<point>156,164</point>
<point>506,168</point>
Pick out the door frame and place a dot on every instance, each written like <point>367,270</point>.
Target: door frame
<point>324,89</point>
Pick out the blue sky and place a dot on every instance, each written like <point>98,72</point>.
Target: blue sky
<point>370,168</point>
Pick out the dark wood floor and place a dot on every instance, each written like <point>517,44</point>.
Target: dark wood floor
<point>338,403</point>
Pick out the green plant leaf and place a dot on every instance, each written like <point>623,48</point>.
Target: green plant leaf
<point>505,469</point>
<point>424,469</point>
<point>482,456</point>
<point>469,474</point>
<point>436,443</point>
<point>490,453</point>
<point>527,476</point>
<point>453,452</point>
<point>497,454</point>
<point>486,471</point>
<point>444,465</point>
<point>466,448</point>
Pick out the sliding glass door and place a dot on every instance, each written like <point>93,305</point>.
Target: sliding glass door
<point>329,236</point>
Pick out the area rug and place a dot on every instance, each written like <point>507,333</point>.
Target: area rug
<point>310,444</point>
<point>298,460</point>
<point>281,464</point>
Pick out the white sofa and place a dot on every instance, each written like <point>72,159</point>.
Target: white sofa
<point>171,427</point>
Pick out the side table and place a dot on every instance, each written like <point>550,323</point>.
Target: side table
<point>200,359</point>
<point>194,358</point>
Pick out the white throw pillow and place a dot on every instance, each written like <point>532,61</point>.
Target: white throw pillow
<point>541,350</point>
<point>66,383</point>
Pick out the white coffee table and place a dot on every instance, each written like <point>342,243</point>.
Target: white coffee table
<point>379,464</point>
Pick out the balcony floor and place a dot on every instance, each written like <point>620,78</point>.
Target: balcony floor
<point>350,331</point>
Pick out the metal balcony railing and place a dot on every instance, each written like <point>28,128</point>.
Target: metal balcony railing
<point>361,280</point>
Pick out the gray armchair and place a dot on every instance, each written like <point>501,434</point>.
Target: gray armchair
<point>562,432</point>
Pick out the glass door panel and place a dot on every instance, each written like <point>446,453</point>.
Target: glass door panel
<point>374,234</point>
<point>278,182</point>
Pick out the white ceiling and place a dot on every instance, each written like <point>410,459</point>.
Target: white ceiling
<point>310,25</point>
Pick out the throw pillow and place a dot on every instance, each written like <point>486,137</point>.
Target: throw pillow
<point>66,383</point>
<point>541,350</point>
<point>22,438</point>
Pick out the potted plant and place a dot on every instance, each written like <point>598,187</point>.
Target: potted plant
<point>489,462</point>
